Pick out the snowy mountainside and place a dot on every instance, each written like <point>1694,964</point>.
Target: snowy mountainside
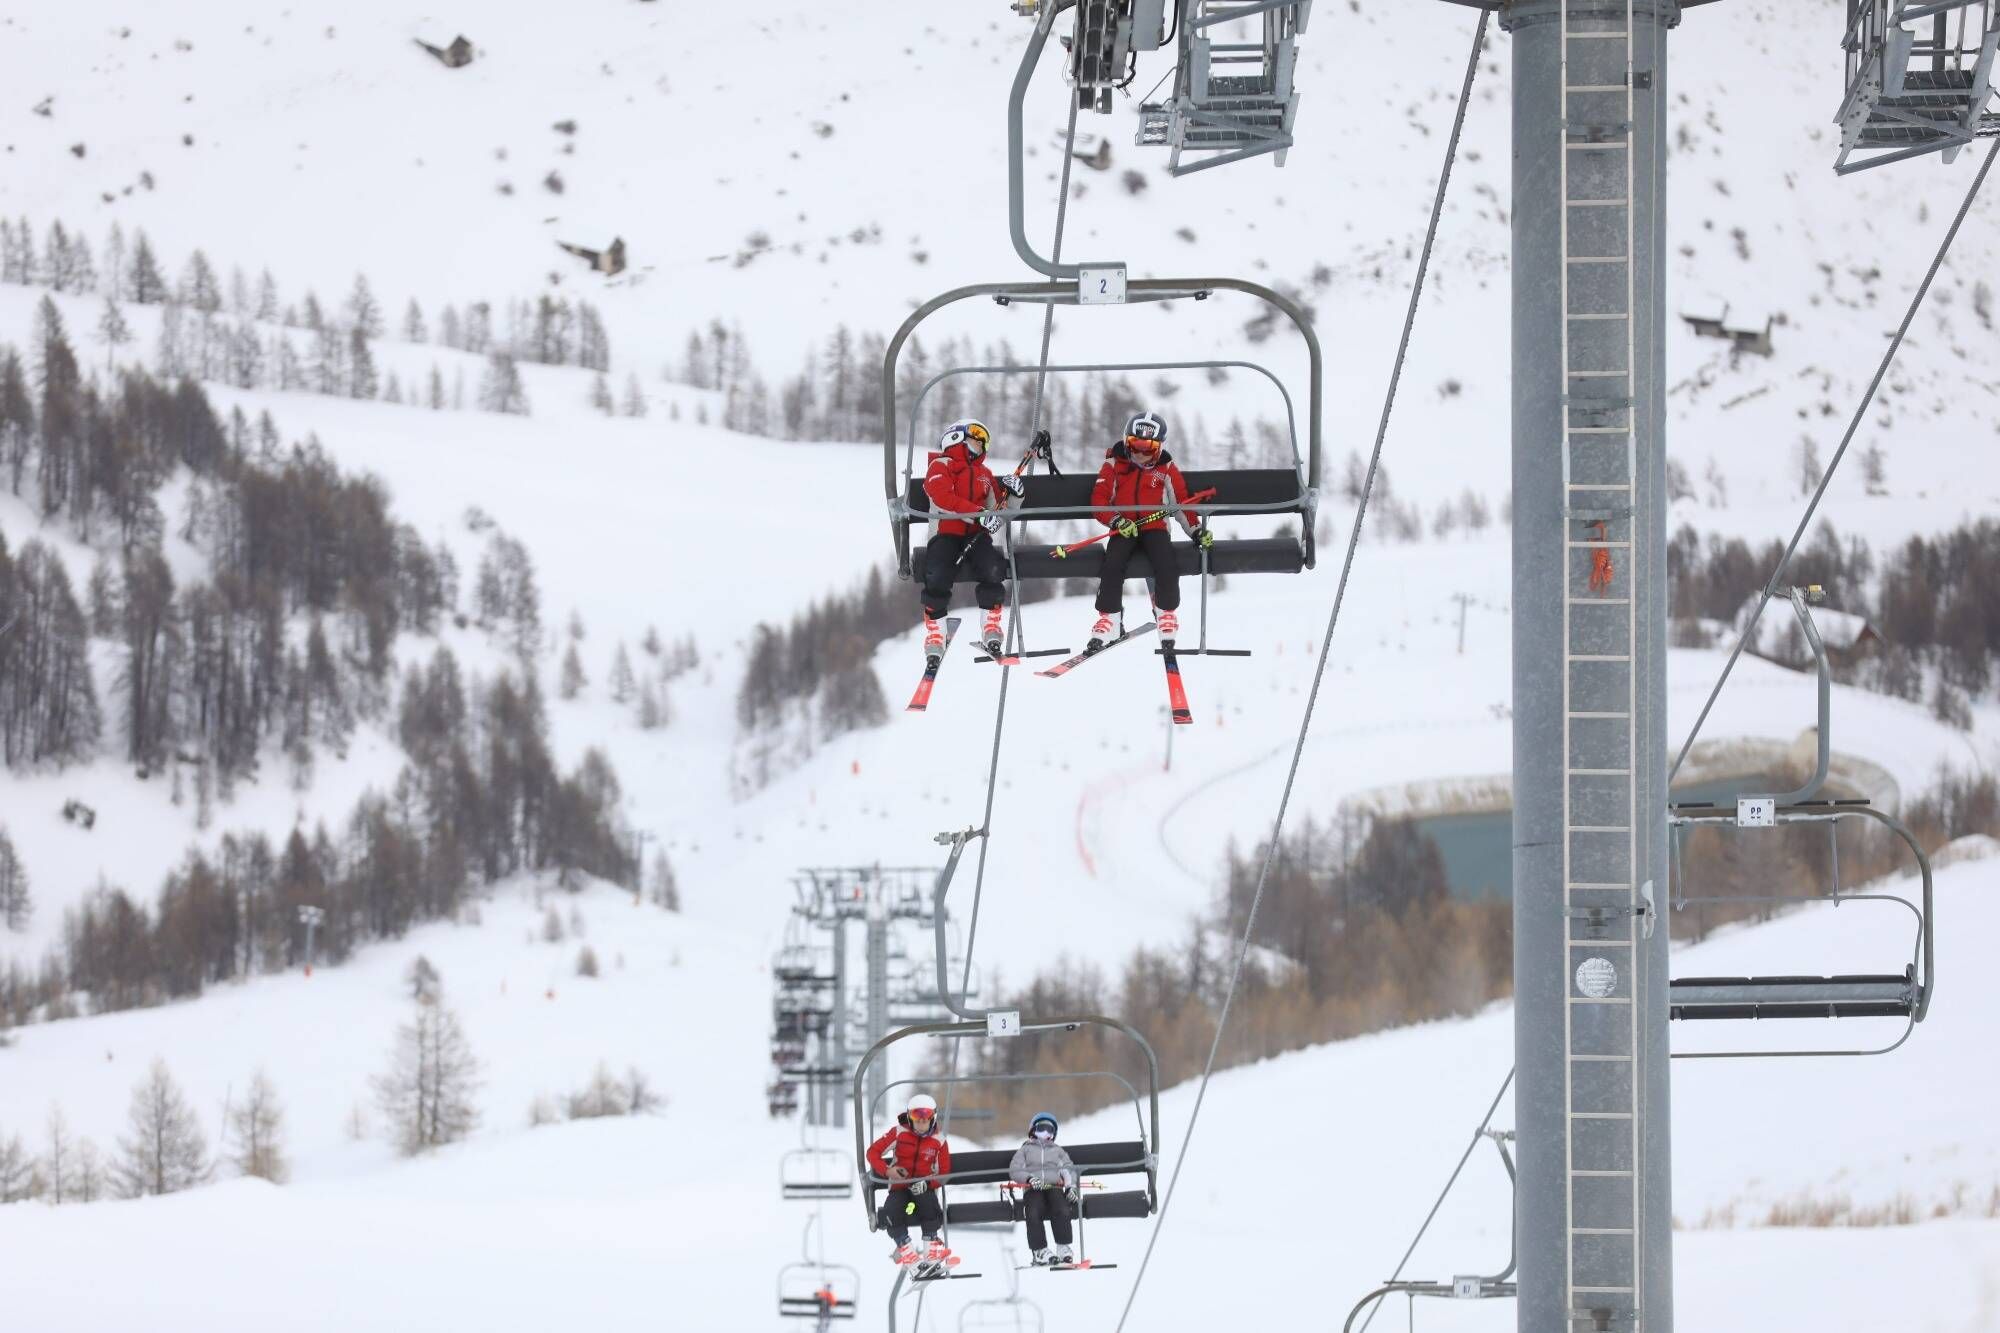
<point>326,144</point>
<point>676,1215</point>
<point>866,207</point>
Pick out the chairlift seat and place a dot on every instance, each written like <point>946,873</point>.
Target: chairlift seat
<point>1859,996</point>
<point>989,1166</point>
<point>1124,1204</point>
<point>809,1307</point>
<point>1238,555</point>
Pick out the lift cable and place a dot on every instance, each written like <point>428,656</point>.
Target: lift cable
<point>1826,478</point>
<point>1015,640</point>
<point>1319,671</point>
<point>1431,1216</point>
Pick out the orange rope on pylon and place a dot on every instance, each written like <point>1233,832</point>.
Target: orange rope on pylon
<point>1600,558</point>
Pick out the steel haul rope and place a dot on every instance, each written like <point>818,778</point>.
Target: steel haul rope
<point>1015,642</point>
<point>1319,670</point>
<point>1854,425</point>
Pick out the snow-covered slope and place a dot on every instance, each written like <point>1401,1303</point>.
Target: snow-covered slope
<point>325,144</point>
<point>1319,1164</point>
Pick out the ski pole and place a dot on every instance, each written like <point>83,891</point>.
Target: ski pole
<point>1061,552</point>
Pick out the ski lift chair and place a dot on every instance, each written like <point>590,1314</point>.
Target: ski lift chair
<point>803,967</point>
<point>1904,993</point>
<point>1136,1157</point>
<point>1000,1314</point>
<point>824,1292</point>
<point>814,1173</point>
<point>1276,491</point>
<point>781,1098</point>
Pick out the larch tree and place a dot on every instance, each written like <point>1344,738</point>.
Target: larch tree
<point>59,1159</point>
<point>572,681</point>
<point>113,332</point>
<point>623,683</point>
<point>165,1151</point>
<point>427,1091</point>
<point>258,1126</point>
<point>16,906</point>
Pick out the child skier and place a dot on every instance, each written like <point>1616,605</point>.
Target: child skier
<point>1048,1181</point>
<point>913,1156</point>
<point>966,496</point>
<point>1138,474</point>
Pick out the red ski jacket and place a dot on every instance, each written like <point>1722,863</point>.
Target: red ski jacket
<point>918,1154</point>
<point>1122,482</point>
<point>959,482</point>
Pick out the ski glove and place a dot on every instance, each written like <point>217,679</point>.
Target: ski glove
<point>919,1186</point>
<point>1125,527</point>
<point>1203,537</point>
<point>1037,1183</point>
<point>993,523</point>
<point>1041,448</point>
<point>1012,484</point>
<point>898,1173</point>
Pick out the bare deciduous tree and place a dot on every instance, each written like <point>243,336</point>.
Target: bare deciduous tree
<point>427,1092</point>
<point>59,1161</point>
<point>165,1152</point>
<point>258,1125</point>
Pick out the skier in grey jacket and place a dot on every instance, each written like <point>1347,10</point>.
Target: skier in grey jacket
<point>1048,1189</point>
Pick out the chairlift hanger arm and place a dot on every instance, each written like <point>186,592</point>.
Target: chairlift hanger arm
<point>1017,219</point>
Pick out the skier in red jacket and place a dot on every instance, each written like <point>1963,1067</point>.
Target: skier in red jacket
<point>1138,471</point>
<point>912,1156</point>
<point>967,497</point>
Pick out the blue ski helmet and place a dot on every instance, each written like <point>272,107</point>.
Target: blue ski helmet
<point>1043,1118</point>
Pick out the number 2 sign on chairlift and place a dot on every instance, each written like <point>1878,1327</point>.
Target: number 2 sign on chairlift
<point>1101,285</point>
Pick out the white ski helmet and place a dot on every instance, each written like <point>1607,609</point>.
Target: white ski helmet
<point>923,1104</point>
<point>972,434</point>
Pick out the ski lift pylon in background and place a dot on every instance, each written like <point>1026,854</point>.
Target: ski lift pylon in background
<point>815,1173</point>
<point>821,1292</point>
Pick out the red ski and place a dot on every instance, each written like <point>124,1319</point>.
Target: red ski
<point>1070,664</point>
<point>1176,692</point>
<point>922,698</point>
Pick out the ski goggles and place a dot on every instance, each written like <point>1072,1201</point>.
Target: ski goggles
<point>971,433</point>
<point>923,1115</point>
<point>1142,445</point>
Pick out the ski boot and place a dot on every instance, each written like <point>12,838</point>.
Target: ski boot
<point>994,633</point>
<point>1065,1255</point>
<point>933,1262</point>
<point>1170,627</point>
<point>905,1255</point>
<point>1101,633</point>
<point>933,641</point>
<point>1043,1257</point>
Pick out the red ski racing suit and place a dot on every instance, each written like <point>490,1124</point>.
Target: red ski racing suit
<point>959,482</point>
<point>1126,483</point>
<point>921,1157</point>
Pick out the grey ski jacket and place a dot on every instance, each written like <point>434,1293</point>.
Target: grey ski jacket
<point>1046,1160</point>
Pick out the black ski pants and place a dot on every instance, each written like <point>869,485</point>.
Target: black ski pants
<point>941,560</point>
<point>1159,548</point>
<point>1051,1206</point>
<point>903,1206</point>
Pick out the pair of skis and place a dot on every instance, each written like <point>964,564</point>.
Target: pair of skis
<point>1177,699</point>
<point>926,1269</point>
